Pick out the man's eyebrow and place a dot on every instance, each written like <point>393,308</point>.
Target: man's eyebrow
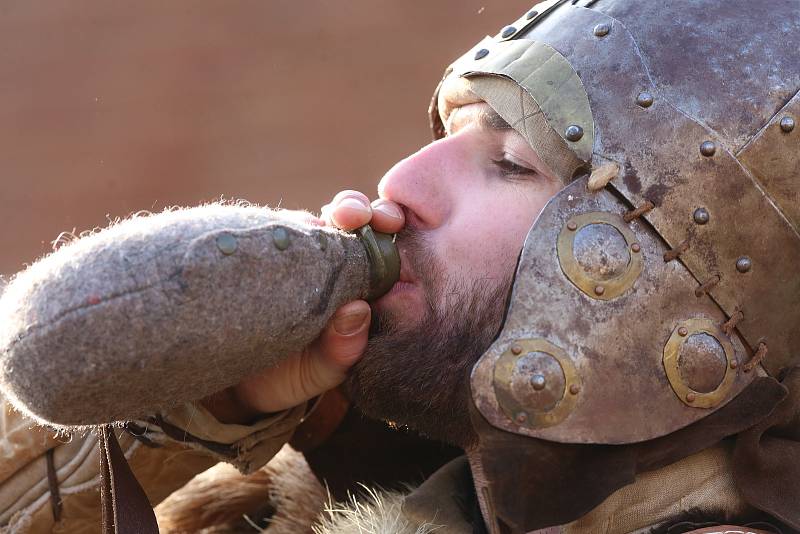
<point>486,118</point>
<point>491,120</point>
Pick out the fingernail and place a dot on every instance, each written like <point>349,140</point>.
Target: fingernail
<point>350,323</point>
<point>353,204</point>
<point>390,210</point>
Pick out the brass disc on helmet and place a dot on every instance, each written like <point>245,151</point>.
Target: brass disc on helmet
<point>700,363</point>
<point>599,254</point>
<point>536,383</point>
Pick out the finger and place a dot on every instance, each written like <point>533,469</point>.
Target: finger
<point>344,339</point>
<point>387,216</point>
<point>350,210</point>
<point>349,193</point>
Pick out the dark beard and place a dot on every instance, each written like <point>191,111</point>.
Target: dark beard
<point>419,376</point>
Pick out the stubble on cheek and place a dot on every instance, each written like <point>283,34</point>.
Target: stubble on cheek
<point>415,371</point>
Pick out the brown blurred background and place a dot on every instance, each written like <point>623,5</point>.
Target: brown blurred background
<point>107,108</point>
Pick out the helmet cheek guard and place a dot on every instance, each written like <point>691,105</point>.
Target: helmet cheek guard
<point>579,359</point>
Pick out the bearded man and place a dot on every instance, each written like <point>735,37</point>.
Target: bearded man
<point>608,372</point>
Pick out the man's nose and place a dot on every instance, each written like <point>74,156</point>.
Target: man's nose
<point>422,183</point>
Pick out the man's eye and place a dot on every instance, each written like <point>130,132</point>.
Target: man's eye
<point>510,168</point>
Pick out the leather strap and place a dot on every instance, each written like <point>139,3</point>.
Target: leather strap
<point>125,507</point>
<point>52,482</point>
<point>182,436</point>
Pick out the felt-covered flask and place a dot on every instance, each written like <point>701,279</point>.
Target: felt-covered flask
<point>162,309</point>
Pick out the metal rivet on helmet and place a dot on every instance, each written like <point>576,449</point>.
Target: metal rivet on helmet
<point>599,290</point>
<point>708,148</point>
<point>602,29</point>
<point>787,124</point>
<point>531,14</point>
<point>744,264</point>
<point>482,53</point>
<point>573,133</point>
<point>538,381</point>
<point>508,31</point>
<point>701,216</point>
<point>644,99</point>
<point>698,360</point>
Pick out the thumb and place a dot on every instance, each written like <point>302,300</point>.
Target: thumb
<point>342,342</point>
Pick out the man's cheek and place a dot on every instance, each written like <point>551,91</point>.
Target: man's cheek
<point>498,261</point>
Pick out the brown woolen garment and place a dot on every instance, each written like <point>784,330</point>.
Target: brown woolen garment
<point>533,484</point>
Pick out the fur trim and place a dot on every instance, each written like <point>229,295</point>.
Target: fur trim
<point>374,513</point>
<point>283,497</point>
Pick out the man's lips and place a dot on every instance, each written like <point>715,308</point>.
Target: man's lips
<point>406,276</point>
<point>400,286</point>
<point>406,280</point>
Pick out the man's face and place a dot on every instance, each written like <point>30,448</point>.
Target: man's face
<point>469,201</point>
